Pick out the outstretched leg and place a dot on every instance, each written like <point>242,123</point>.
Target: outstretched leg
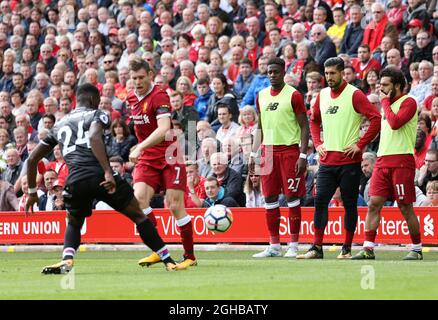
<point>148,233</point>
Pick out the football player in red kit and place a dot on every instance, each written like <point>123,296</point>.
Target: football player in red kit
<point>158,161</point>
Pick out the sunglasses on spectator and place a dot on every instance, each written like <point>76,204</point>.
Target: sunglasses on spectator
<point>317,34</point>
<point>89,63</point>
<point>109,61</point>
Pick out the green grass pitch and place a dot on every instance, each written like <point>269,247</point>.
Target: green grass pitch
<point>219,275</point>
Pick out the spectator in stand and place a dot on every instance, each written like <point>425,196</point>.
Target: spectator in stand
<point>19,84</point>
<point>381,55</point>
<point>25,193</point>
<point>187,23</point>
<point>209,146</point>
<point>424,88</point>
<point>195,194</point>
<point>350,77</point>
<point>14,166</point>
<point>424,125</point>
<point>120,87</point>
<point>396,12</point>
<point>239,27</point>
<point>65,106</point>
<point>231,147</point>
<point>248,120</point>
<point>121,140</point>
<point>286,30</point>
<point>6,112</point>
<point>394,59</point>
<point>117,164</point>
<point>414,27</point>
<point>370,82</point>
<point>216,194</point>
<point>47,57</point>
<point>423,47</point>
<point>416,11</point>
<point>23,120</point>
<point>17,99</point>
<point>68,92</point>
<point>435,55</point>
<point>6,79</point>
<point>253,192</point>
<point>236,58</point>
<point>108,90</point>
<point>221,96</point>
<point>314,83</point>
<point>323,47</point>
<point>105,105</point>
<point>186,115</point>
<point>292,11</point>
<point>354,32</point>
<point>46,200</point>
<point>320,17</point>
<point>299,34</point>
<point>42,83</point>
<point>432,193</point>
<point>337,31</point>
<point>260,82</point>
<point>364,62</point>
<point>434,117</point>
<point>204,94</point>
<point>58,188</point>
<point>21,139</point>
<point>276,42</point>
<point>414,75</point>
<point>200,73</point>
<point>244,79</point>
<point>32,111</point>
<point>58,164</point>
<point>367,166</point>
<point>203,130</point>
<point>428,172</point>
<point>427,103</point>
<point>228,128</point>
<point>254,30</point>
<point>288,54</point>
<point>378,28</point>
<point>185,87</point>
<point>224,49</point>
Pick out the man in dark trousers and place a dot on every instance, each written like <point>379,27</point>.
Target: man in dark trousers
<point>339,109</point>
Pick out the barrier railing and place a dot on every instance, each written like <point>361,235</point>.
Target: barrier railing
<point>248,227</point>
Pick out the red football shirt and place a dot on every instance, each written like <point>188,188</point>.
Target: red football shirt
<point>145,112</point>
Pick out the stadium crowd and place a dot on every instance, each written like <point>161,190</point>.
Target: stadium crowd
<point>211,57</point>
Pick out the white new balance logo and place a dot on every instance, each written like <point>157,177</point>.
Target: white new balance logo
<point>146,119</point>
<point>428,226</point>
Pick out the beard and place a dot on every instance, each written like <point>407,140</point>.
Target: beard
<point>336,84</point>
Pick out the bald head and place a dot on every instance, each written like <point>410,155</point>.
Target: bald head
<point>394,58</point>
